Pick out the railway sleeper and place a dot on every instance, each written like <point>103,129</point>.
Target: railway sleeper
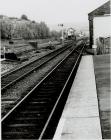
<point>42,113</point>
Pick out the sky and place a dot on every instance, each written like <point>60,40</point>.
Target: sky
<point>50,11</point>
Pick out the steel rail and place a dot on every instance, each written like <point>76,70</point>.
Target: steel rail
<point>51,114</point>
<point>25,74</point>
<point>34,87</point>
<point>18,68</point>
<point>5,118</point>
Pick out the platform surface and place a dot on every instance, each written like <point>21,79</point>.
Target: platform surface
<point>102,68</point>
<point>80,118</point>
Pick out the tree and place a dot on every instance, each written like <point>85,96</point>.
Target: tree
<point>6,28</point>
<point>24,28</point>
<point>24,17</point>
<point>44,30</point>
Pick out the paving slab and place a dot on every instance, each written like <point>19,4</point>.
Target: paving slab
<point>81,128</point>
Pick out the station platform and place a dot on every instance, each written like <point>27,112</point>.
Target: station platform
<point>80,118</point>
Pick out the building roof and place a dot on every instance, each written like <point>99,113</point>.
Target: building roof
<point>102,10</point>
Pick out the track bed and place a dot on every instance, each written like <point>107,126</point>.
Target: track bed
<point>31,117</point>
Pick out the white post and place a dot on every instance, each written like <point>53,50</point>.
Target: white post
<point>62,34</point>
<point>95,49</point>
<point>4,51</point>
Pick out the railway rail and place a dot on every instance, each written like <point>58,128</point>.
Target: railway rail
<point>12,77</point>
<point>37,114</point>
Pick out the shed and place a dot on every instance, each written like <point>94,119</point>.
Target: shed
<point>99,23</point>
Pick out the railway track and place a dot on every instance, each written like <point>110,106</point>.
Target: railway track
<point>37,114</point>
<point>12,77</point>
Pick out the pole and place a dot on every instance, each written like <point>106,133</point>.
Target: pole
<point>62,33</point>
<point>62,36</point>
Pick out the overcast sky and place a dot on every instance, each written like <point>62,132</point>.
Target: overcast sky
<point>50,11</point>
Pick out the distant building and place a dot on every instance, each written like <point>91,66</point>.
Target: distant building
<point>70,33</point>
<point>99,24</point>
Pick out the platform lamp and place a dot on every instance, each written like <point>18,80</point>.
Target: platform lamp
<point>62,36</point>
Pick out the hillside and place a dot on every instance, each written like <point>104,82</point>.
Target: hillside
<point>12,27</point>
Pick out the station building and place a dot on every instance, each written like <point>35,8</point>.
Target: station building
<point>99,27</point>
